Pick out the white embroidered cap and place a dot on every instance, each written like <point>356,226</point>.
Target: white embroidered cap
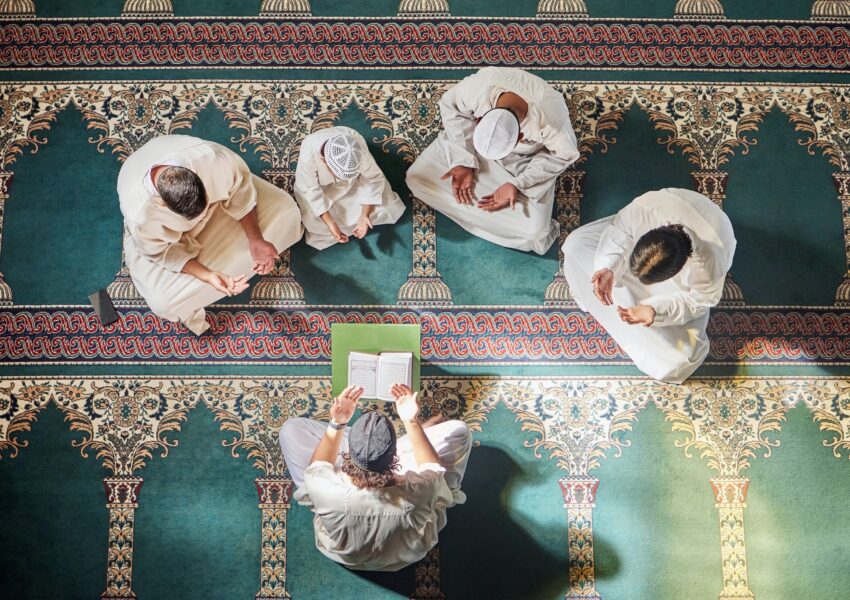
<point>342,155</point>
<point>496,134</point>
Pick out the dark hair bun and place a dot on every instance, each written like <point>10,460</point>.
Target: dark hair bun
<point>660,253</point>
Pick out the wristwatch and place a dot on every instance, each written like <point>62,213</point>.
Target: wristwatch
<point>336,426</point>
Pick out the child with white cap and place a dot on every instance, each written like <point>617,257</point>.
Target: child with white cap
<point>340,189</point>
<point>507,137</point>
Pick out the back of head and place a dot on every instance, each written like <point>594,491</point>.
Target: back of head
<point>371,456</point>
<point>182,191</point>
<point>660,253</point>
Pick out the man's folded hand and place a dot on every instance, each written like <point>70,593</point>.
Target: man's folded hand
<point>264,255</point>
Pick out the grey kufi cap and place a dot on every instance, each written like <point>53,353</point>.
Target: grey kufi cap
<point>371,442</point>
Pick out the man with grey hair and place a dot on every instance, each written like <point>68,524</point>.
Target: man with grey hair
<point>198,225</point>
<point>507,136</point>
<point>340,189</point>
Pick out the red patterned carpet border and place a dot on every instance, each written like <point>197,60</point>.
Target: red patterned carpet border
<point>48,44</point>
<point>458,335</point>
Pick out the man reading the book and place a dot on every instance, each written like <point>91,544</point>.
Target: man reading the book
<point>379,502</point>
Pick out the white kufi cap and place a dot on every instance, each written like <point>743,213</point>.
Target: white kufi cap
<point>342,155</point>
<point>496,134</point>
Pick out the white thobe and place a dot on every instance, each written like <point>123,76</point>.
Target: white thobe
<point>158,242</point>
<point>377,530</point>
<point>318,191</point>
<point>547,148</point>
<point>676,344</point>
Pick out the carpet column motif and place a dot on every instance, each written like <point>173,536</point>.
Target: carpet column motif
<point>426,584</point>
<point>730,498</point>
<point>122,290</point>
<point>712,184</point>
<point>705,9</point>
<point>275,494</point>
<point>147,8</point>
<point>122,500</point>
<point>5,182</point>
<point>730,424</point>
<point>577,422</point>
<point>424,285</point>
<point>819,114</point>
<point>708,124</point>
<point>842,186</point>
<point>279,287</point>
<point>580,500</point>
<point>568,194</point>
<point>561,8</point>
<point>424,8</point>
<point>17,7</point>
<point>286,8</point>
<point>829,10</point>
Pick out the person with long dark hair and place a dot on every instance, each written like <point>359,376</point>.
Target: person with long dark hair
<point>650,274</point>
<point>379,502</point>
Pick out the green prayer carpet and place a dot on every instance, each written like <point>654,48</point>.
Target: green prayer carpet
<point>162,478</point>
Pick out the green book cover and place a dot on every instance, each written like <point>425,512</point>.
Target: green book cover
<point>371,338</point>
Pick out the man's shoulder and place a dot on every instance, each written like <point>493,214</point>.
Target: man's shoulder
<point>142,213</point>
<point>322,473</point>
<point>655,198</point>
<point>206,148</point>
<point>553,107</point>
<point>133,197</point>
<point>702,203</point>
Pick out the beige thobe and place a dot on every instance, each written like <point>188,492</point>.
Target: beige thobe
<point>158,242</point>
<point>676,344</point>
<point>385,529</point>
<point>318,191</point>
<point>548,147</point>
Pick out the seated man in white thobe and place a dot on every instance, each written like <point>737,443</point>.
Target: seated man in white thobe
<point>340,189</point>
<point>507,137</point>
<point>198,225</point>
<point>379,503</point>
<point>650,274</point>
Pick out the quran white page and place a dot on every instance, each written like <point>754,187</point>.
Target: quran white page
<point>393,367</point>
<point>363,372</point>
